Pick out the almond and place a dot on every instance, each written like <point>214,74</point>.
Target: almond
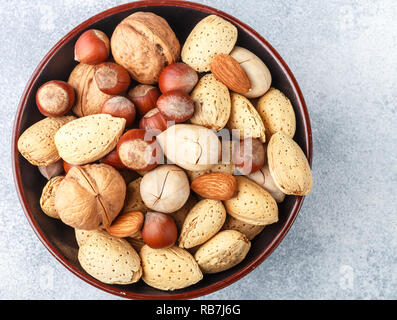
<point>133,200</point>
<point>204,221</point>
<point>110,259</point>
<point>126,224</point>
<point>222,252</point>
<point>228,71</point>
<point>37,145</point>
<point>217,186</point>
<point>169,269</point>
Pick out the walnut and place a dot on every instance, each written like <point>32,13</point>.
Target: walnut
<point>89,99</point>
<point>144,44</point>
<point>90,196</point>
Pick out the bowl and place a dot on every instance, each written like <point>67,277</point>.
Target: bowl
<point>58,238</point>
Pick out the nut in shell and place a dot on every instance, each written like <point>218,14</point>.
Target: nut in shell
<point>110,259</point>
<point>47,199</point>
<point>90,196</point>
<point>165,189</point>
<point>144,43</point>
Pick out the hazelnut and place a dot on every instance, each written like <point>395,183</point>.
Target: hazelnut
<point>111,78</point>
<point>153,121</point>
<point>178,76</point>
<point>176,106</point>
<point>249,155</point>
<point>120,107</point>
<point>112,159</point>
<point>139,150</point>
<point>165,189</point>
<point>144,97</point>
<point>92,47</point>
<point>55,98</point>
<point>159,230</point>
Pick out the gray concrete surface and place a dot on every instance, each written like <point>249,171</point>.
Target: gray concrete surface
<point>343,53</point>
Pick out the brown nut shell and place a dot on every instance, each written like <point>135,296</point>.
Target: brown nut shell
<point>47,199</point>
<point>144,44</point>
<point>90,196</point>
<point>37,144</point>
<point>89,99</point>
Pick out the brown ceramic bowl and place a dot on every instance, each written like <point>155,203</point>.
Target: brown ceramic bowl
<point>58,63</point>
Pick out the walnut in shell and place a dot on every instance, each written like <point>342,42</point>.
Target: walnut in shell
<point>90,196</point>
<point>144,44</point>
<point>47,199</point>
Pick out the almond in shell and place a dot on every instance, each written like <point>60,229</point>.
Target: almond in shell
<point>204,220</point>
<point>212,103</point>
<point>252,204</point>
<point>245,121</point>
<point>249,230</point>
<point>47,199</point>
<point>83,235</point>
<point>133,200</point>
<point>257,72</point>
<point>224,251</point>
<point>37,145</point>
<point>211,36</point>
<point>169,269</point>
<point>217,186</point>
<point>89,139</point>
<point>110,259</point>
<point>228,71</point>
<point>289,166</point>
<point>277,113</point>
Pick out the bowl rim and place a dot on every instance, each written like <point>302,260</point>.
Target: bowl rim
<point>164,296</point>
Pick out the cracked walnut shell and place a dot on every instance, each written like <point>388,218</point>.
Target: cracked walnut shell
<point>90,196</point>
<point>145,44</point>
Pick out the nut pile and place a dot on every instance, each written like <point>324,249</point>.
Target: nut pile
<point>167,160</point>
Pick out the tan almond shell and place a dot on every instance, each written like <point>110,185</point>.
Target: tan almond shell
<point>169,269</point>
<point>180,215</point>
<point>88,139</point>
<point>37,144</point>
<point>222,252</point>
<point>89,99</point>
<point>90,196</point>
<point>144,44</point>
<point>263,178</point>
<point>256,70</point>
<point>47,199</point>
<point>245,119</point>
<point>252,204</point>
<point>210,37</point>
<point>83,235</point>
<point>289,166</point>
<point>204,220</point>
<point>110,260</point>
<point>212,103</point>
<point>133,199</point>
<point>190,146</point>
<point>249,230</point>
<point>277,113</point>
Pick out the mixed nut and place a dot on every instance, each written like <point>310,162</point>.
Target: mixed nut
<point>167,160</point>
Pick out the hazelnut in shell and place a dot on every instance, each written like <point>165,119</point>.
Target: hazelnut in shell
<point>144,97</point>
<point>92,47</point>
<point>178,76</point>
<point>55,98</point>
<point>159,230</point>
<point>111,78</point>
<point>120,107</point>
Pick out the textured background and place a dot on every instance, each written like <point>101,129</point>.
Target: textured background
<point>343,244</point>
